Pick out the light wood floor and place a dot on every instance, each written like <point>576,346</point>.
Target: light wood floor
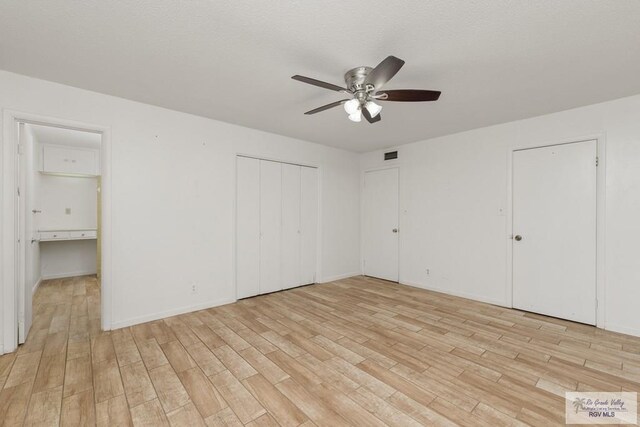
<point>358,351</point>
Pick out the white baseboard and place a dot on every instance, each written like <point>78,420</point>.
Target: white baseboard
<point>35,287</point>
<point>608,327</point>
<point>69,274</point>
<point>622,329</point>
<point>479,298</point>
<point>338,277</point>
<point>169,313</point>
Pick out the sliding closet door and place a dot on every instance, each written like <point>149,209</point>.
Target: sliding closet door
<point>270,226</point>
<point>290,226</point>
<point>308,224</point>
<point>248,227</point>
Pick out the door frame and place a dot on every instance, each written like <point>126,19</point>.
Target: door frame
<point>362,213</point>
<point>600,216</point>
<point>234,246</point>
<point>9,288</point>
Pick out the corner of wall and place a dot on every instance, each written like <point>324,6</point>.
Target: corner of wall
<point>169,313</point>
<point>338,277</point>
<point>36,286</point>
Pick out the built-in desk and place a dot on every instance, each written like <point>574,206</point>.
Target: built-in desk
<point>75,234</point>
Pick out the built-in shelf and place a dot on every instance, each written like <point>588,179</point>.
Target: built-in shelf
<point>61,235</point>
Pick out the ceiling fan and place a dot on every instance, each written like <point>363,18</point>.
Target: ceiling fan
<point>363,86</point>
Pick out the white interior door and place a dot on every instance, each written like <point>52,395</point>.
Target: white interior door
<point>380,224</point>
<point>270,226</point>
<point>25,288</point>
<point>248,227</point>
<point>290,226</point>
<point>308,224</point>
<point>554,227</point>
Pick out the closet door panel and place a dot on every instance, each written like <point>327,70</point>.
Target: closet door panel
<point>308,224</point>
<point>248,227</point>
<point>270,226</point>
<point>290,226</point>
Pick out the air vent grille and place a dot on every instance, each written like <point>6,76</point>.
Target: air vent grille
<point>391,155</point>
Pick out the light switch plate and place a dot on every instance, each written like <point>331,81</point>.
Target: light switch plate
<point>67,211</point>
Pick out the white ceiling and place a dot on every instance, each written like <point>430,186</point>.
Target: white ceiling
<point>68,137</point>
<point>493,60</point>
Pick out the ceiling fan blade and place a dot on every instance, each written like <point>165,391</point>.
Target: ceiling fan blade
<point>370,119</point>
<point>384,71</point>
<point>326,107</point>
<point>319,83</point>
<point>408,95</point>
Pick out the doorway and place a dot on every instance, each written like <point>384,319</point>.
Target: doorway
<point>380,224</point>
<point>57,224</point>
<point>14,216</point>
<point>555,228</point>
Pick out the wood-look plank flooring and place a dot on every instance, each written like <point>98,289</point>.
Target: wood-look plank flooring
<point>358,351</point>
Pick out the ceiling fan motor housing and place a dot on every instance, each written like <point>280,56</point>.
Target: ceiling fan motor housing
<point>355,80</point>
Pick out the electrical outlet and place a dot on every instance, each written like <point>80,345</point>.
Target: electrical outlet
<point>428,272</point>
<point>193,289</point>
<point>67,211</point>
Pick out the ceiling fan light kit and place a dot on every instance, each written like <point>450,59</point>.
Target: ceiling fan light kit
<point>373,108</point>
<point>363,84</point>
<point>352,106</point>
<point>356,117</point>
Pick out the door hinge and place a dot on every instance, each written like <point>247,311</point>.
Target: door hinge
<point>597,161</point>
<point>18,189</point>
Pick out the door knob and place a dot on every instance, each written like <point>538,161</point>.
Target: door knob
<point>518,237</point>
<point>395,230</point>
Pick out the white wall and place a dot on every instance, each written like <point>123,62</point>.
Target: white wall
<point>57,193</point>
<point>173,196</point>
<point>453,193</point>
<point>67,258</point>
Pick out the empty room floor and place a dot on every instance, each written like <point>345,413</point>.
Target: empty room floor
<point>357,351</point>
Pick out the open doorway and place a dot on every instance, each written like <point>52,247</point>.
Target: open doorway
<point>58,226</point>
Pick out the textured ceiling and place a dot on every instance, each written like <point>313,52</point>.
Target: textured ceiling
<point>494,61</point>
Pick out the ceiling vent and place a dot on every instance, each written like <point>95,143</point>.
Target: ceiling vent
<point>391,155</point>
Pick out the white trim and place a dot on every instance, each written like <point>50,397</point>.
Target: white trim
<point>600,217</point>
<point>70,274</point>
<point>457,294</point>
<point>36,286</point>
<point>234,225</point>
<point>172,312</point>
<point>338,277</point>
<point>8,235</point>
<point>7,216</point>
<point>395,165</point>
